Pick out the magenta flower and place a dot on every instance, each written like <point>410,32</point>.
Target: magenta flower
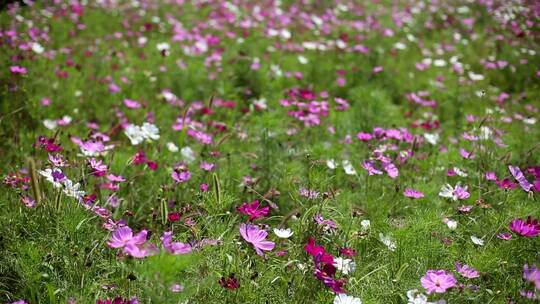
<point>257,237</point>
<point>467,271</point>
<point>410,192</point>
<point>532,274</point>
<point>529,228</point>
<point>175,248</point>
<point>505,184</point>
<point>252,209</point>
<point>438,281</point>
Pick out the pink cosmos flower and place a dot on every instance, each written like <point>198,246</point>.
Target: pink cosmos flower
<point>206,166</point>
<point>529,228</point>
<point>175,248</point>
<point>390,169</point>
<point>364,136</point>
<point>123,236</point>
<point>132,104</point>
<point>257,237</point>
<point>532,274</point>
<point>18,69</point>
<point>466,271</point>
<point>491,176</point>
<point>370,167</point>
<point>28,201</point>
<point>181,177</point>
<point>252,209</point>
<point>465,208</point>
<point>134,245</point>
<point>504,236</point>
<point>98,168</point>
<point>438,281</point>
<point>410,192</point>
<point>465,154</point>
<point>518,175</point>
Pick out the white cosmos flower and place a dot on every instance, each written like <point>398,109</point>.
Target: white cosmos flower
<point>47,173</point>
<point>72,190</point>
<point>172,147</point>
<point>188,154</point>
<point>283,233</point>
<point>460,172</point>
<point>416,297</point>
<point>485,133</point>
<point>447,191</point>
<point>476,77</point>
<point>432,138</point>
<point>346,266</point>
<point>452,225</point>
<point>134,133</point>
<point>137,134</point>
<point>50,124</point>
<point>347,166</point>
<point>302,59</point>
<point>332,164</point>
<point>345,299</point>
<point>365,225</point>
<point>150,131</point>
<point>37,48</point>
<point>388,242</point>
<point>164,46</point>
<point>476,240</point>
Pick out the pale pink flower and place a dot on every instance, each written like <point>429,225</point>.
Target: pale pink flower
<point>257,237</point>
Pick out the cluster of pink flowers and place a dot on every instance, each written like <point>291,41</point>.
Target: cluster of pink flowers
<point>304,106</point>
<point>325,269</point>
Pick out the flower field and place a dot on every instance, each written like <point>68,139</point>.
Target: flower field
<point>267,151</point>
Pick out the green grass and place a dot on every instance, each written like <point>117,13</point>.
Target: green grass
<point>59,251</point>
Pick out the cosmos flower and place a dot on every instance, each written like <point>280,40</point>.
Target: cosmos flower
<point>229,283</point>
<point>283,233</point>
<point>138,134</point>
<point>174,247</point>
<point>15,69</point>
<point>518,175</point>
<point>388,242</point>
<point>532,274</point>
<point>528,228</point>
<point>134,245</point>
<point>348,167</point>
<point>54,176</point>
<point>345,299</point>
<point>345,266</point>
<point>256,237</point>
<point>438,281</point>
<point>466,271</point>
<point>252,209</point>
<point>477,241</point>
<point>410,192</point>
<point>454,193</point>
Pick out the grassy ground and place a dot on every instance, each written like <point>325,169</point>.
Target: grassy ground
<point>230,66</point>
